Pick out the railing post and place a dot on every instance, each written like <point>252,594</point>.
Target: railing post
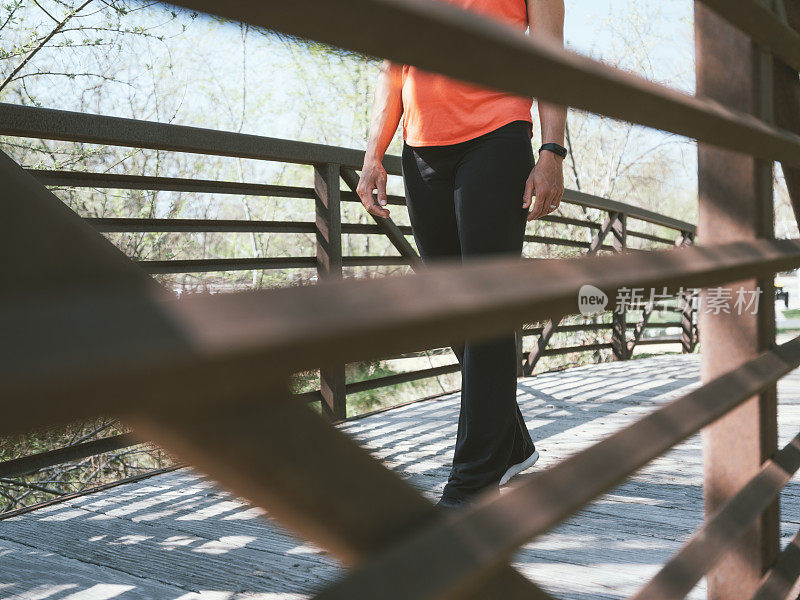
<point>689,311</point>
<point>619,343</point>
<point>328,209</point>
<point>736,203</point>
<point>787,101</point>
<point>688,325</point>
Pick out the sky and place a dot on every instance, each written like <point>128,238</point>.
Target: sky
<point>594,28</point>
<point>589,30</point>
<point>207,58</point>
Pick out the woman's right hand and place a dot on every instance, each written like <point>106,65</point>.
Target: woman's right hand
<point>373,177</point>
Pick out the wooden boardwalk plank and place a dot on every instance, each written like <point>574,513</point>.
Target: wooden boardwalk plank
<point>168,555</point>
<point>186,534</point>
<point>27,572</point>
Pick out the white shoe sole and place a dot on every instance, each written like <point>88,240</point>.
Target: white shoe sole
<point>519,467</point>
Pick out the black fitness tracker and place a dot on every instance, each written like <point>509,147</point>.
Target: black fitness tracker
<point>555,149</point>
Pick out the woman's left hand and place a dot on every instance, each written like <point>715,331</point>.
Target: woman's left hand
<point>546,183</point>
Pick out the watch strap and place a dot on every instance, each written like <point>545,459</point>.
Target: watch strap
<point>555,149</point>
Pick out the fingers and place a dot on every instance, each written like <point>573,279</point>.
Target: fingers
<point>373,208</point>
<point>378,211</point>
<point>527,195</point>
<point>545,203</point>
<point>541,203</point>
<point>364,191</point>
<point>381,186</point>
<point>373,177</point>
<point>548,182</point>
<point>547,200</point>
<point>541,189</point>
<point>539,206</point>
<point>534,213</point>
<point>556,200</point>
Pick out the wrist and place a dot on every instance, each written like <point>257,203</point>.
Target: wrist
<point>372,159</point>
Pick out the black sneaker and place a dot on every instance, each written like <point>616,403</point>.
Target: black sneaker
<point>518,468</point>
<point>451,503</point>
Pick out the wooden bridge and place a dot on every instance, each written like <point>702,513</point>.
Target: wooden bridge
<point>87,331</point>
<point>175,534</point>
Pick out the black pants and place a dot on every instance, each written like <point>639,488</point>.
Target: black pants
<point>465,201</point>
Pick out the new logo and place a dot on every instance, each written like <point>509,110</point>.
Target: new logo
<point>591,300</point>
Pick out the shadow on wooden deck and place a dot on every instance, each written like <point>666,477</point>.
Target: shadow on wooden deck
<point>178,536</point>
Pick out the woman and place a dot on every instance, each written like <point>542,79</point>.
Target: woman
<point>469,178</point>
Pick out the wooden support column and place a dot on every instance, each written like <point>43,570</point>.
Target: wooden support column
<point>329,265</point>
<point>736,204</point>
<point>787,102</point>
<point>619,343</point>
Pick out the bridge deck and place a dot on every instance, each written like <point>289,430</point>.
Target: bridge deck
<point>173,535</point>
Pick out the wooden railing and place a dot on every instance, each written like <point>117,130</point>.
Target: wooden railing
<point>86,331</point>
<point>332,165</point>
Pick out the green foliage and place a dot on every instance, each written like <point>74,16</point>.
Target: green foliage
<point>72,476</point>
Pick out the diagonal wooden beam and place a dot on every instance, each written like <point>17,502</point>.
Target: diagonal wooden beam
<point>688,325</point>
<point>46,245</point>
<point>552,325</point>
<point>619,318</point>
<point>781,582</point>
<point>541,345</point>
<point>639,329</point>
<point>283,456</point>
<point>717,535</point>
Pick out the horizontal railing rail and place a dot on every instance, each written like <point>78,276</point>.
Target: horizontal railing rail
<point>42,460</point>
<point>70,126</point>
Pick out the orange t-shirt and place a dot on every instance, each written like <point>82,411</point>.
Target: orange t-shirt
<point>438,110</point>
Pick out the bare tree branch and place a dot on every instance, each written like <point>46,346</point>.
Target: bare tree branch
<point>42,44</point>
